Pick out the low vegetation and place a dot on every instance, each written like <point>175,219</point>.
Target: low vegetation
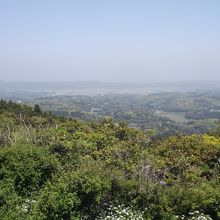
<point>57,168</point>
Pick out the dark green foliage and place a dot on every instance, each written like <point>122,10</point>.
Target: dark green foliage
<point>37,109</point>
<point>54,168</point>
<point>24,171</point>
<point>29,167</point>
<point>75,193</point>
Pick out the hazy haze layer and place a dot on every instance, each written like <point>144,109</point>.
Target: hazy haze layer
<point>109,40</point>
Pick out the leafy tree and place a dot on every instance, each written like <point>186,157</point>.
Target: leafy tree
<point>37,109</point>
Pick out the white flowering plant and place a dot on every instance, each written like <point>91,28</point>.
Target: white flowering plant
<point>120,212</point>
<point>26,206</point>
<point>196,215</point>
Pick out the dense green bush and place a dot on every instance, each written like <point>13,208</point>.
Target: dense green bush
<point>24,171</point>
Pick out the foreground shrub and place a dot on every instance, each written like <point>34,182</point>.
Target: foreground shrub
<point>74,194</point>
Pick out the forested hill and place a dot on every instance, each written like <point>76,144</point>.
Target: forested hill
<point>57,168</point>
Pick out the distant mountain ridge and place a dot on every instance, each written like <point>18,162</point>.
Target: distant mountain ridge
<point>155,86</point>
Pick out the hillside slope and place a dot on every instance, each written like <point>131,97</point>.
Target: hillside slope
<point>56,168</point>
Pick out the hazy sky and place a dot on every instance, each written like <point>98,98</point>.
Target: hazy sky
<point>109,40</point>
